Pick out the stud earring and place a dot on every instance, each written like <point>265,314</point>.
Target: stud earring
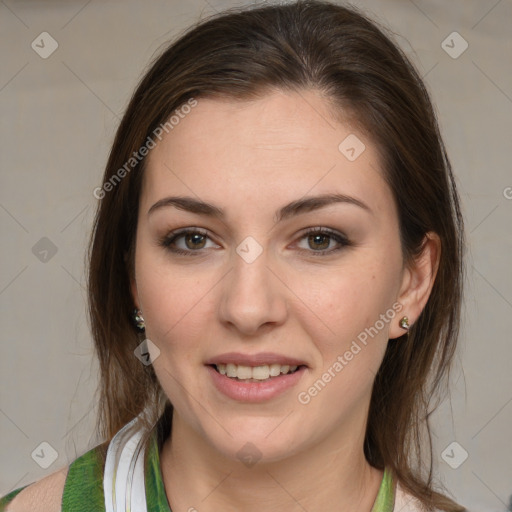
<point>404,323</point>
<point>138,319</point>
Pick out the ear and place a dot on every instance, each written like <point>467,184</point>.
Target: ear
<point>417,282</point>
<point>133,282</point>
<point>135,294</point>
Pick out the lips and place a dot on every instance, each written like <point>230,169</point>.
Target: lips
<point>256,377</point>
<point>252,390</point>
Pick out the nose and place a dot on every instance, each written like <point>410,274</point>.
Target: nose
<point>253,298</point>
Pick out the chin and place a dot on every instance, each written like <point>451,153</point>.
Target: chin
<point>256,440</point>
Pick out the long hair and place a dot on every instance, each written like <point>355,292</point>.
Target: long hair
<point>242,54</point>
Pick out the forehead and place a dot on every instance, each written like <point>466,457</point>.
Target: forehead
<point>282,144</point>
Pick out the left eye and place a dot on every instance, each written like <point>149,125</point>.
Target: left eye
<point>319,240</point>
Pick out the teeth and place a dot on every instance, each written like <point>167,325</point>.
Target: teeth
<point>275,370</point>
<point>244,372</point>
<point>254,372</point>
<point>259,372</point>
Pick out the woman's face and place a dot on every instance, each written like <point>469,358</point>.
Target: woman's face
<point>249,292</point>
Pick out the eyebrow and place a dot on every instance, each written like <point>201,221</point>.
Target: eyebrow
<point>303,205</point>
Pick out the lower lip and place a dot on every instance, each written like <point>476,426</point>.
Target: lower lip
<point>255,391</point>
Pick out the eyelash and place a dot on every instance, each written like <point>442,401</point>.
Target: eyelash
<point>169,239</point>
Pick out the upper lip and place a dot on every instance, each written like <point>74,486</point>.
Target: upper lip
<point>260,359</point>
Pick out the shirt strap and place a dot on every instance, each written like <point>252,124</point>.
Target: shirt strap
<point>385,501</point>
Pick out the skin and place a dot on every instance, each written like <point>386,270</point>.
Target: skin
<point>250,159</point>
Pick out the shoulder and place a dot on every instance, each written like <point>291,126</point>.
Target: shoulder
<point>405,502</point>
<point>45,495</point>
<point>68,489</point>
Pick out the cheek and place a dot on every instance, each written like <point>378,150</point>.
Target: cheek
<point>351,344</point>
<point>354,311</point>
<point>170,297</point>
<point>174,306</point>
<point>171,304</point>
<point>348,300</point>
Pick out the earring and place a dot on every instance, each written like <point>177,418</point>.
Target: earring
<point>404,323</point>
<point>138,319</point>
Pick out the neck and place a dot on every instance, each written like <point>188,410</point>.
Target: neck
<point>196,477</point>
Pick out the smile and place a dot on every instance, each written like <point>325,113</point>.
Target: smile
<point>254,384</point>
<point>254,373</point>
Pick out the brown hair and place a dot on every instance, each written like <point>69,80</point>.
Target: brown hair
<point>241,54</point>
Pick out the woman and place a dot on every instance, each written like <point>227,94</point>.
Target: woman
<point>275,277</point>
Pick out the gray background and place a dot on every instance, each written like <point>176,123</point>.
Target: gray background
<point>58,119</point>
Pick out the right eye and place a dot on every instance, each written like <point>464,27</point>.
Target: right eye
<point>185,241</point>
